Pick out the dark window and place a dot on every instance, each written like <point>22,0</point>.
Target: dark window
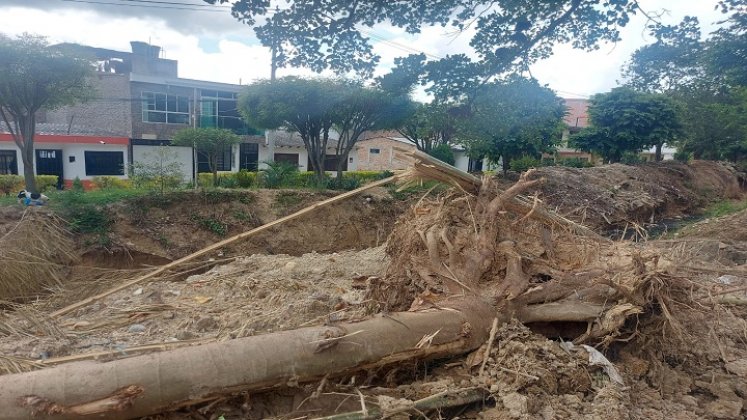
<point>291,158</point>
<point>219,109</point>
<point>225,160</point>
<point>248,156</point>
<point>474,165</point>
<point>374,151</point>
<point>104,163</point>
<point>8,162</point>
<point>165,108</point>
<point>330,164</point>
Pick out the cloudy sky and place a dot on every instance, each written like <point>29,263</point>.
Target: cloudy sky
<point>211,45</point>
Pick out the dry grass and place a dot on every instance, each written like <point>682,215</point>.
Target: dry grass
<point>34,256</point>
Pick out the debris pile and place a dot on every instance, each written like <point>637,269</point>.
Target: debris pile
<point>485,304</point>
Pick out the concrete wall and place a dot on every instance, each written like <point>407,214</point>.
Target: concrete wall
<point>71,170</point>
<point>107,113</point>
<point>152,154</point>
<point>461,160</point>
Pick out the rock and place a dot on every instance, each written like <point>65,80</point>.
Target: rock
<point>185,335</point>
<point>320,296</point>
<point>289,266</point>
<point>737,367</point>
<point>515,403</point>
<point>169,315</point>
<point>724,409</point>
<point>136,328</point>
<point>206,323</point>
<point>138,291</point>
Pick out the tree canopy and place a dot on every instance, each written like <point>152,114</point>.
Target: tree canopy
<point>35,76</point>
<point>306,106</point>
<point>512,118</point>
<point>337,34</point>
<point>213,142</point>
<point>624,120</point>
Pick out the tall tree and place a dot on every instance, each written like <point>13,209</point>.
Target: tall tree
<point>213,142</point>
<point>35,76</point>
<point>362,109</point>
<point>624,120</point>
<point>306,106</point>
<point>322,34</point>
<point>511,118</point>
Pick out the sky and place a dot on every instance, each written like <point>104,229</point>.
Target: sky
<point>210,44</point>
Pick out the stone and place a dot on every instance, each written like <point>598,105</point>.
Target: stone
<point>206,323</point>
<point>185,335</point>
<point>289,266</point>
<point>737,367</point>
<point>724,409</point>
<point>136,328</point>
<point>516,404</point>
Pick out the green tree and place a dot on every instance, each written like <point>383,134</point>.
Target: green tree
<point>213,142</point>
<point>512,118</point>
<point>35,76</point>
<point>360,109</point>
<point>624,120</point>
<point>306,106</point>
<point>335,34</point>
<point>430,125</point>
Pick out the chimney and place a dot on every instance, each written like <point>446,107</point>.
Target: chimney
<point>145,49</point>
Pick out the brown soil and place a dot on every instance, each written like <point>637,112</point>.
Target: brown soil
<point>611,198</point>
<point>182,223</point>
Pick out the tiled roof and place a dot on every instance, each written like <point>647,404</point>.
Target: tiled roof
<point>293,139</point>
<point>67,130</point>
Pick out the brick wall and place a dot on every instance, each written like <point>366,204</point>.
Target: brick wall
<point>385,159</point>
<point>108,112</point>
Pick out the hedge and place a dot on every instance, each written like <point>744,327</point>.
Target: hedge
<point>14,183</point>
<point>111,183</point>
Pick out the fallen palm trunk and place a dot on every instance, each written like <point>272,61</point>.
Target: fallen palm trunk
<point>155,383</point>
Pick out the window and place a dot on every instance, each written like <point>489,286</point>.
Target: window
<point>291,158</point>
<point>219,109</point>
<point>8,162</point>
<point>104,163</point>
<point>374,151</point>
<point>165,108</point>
<point>330,164</point>
<point>225,160</point>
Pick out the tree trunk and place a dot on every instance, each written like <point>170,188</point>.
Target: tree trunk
<point>144,385</point>
<point>658,153</point>
<point>26,126</point>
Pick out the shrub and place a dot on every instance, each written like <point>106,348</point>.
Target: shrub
<point>631,158</point>
<point>78,185</point>
<point>682,156</point>
<point>246,179</point>
<point>345,183</point>
<point>575,163</point>
<point>443,153</point>
<point>279,174</point>
<point>10,184</point>
<point>46,182</point>
<point>111,183</point>
<point>524,163</point>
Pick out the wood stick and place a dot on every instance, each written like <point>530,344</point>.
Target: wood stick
<point>221,244</point>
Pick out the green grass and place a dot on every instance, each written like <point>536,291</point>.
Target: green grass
<point>725,207</point>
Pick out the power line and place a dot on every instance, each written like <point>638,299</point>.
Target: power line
<point>167,5</point>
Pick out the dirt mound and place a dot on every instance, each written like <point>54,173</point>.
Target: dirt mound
<point>732,227</point>
<point>611,198</point>
<point>181,223</point>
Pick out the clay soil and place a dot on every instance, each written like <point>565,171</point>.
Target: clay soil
<point>326,267</point>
